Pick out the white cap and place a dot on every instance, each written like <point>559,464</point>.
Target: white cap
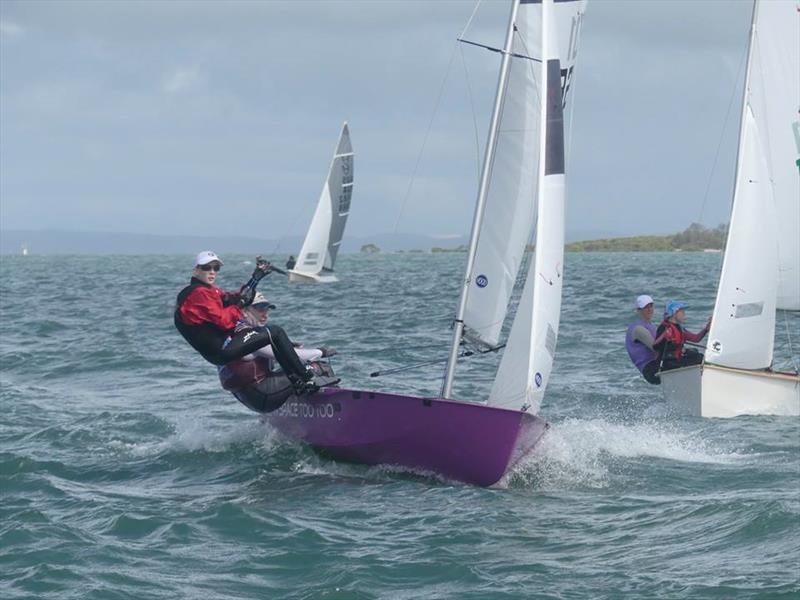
<point>643,300</point>
<point>259,298</point>
<point>207,256</point>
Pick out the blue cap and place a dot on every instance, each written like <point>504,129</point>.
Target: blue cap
<point>674,306</point>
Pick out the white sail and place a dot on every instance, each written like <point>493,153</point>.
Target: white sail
<point>510,201</point>
<point>528,358</point>
<point>318,254</point>
<point>774,95</point>
<point>743,325</point>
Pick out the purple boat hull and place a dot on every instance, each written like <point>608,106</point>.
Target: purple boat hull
<point>472,443</point>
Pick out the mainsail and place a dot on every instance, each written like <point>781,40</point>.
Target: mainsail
<point>528,359</point>
<point>774,95</point>
<point>512,179</point>
<point>324,236</point>
<point>524,162</point>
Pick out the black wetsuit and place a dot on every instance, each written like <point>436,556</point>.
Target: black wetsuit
<point>210,341</point>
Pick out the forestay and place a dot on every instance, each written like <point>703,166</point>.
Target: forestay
<point>512,187</point>
<point>324,236</point>
<point>743,325</point>
<point>528,358</point>
<point>774,94</point>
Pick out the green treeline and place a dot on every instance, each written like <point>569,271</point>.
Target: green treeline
<point>693,238</point>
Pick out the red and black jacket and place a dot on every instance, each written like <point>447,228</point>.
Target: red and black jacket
<point>205,316</point>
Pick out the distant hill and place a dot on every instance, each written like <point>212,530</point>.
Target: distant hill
<point>93,242</point>
<point>100,242</point>
<point>696,237</point>
<point>693,238</point>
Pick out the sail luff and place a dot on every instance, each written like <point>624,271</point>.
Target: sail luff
<point>480,204</point>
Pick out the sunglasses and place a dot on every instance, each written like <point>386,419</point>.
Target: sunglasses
<point>210,267</point>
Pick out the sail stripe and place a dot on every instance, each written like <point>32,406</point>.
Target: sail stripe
<point>554,145</point>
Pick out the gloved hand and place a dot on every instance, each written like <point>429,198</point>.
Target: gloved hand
<point>231,298</point>
<point>246,295</point>
<point>263,268</point>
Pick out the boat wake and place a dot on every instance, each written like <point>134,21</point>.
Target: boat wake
<point>202,435</point>
<point>598,453</point>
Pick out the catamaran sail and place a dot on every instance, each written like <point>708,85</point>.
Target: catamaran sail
<point>761,270</point>
<point>318,254</point>
<point>524,159</point>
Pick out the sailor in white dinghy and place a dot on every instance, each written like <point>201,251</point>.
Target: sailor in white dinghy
<point>671,337</point>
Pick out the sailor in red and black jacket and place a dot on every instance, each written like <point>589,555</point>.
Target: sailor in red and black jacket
<point>671,337</point>
<point>206,317</point>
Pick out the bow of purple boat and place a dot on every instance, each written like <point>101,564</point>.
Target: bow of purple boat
<point>467,442</point>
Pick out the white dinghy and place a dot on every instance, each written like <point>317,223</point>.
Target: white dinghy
<point>318,254</point>
<point>761,268</point>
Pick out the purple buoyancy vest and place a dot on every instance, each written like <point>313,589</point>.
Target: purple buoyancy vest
<point>639,353</point>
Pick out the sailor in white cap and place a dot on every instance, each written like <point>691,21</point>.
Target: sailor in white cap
<point>206,317</point>
<point>640,337</point>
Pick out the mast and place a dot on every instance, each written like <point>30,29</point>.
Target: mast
<point>480,204</point>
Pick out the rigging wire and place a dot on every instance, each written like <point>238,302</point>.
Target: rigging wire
<point>474,117</point>
<point>425,139</point>
<point>734,95</point>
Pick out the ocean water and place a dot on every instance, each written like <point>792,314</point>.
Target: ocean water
<point>126,472</point>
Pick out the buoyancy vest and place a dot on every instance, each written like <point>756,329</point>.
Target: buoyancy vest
<point>206,338</point>
<point>639,353</point>
<point>672,345</point>
<point>241,374</point>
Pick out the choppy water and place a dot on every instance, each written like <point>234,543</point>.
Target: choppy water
<point>125,472</point>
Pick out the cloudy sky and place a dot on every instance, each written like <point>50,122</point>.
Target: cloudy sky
<point>203,117</point>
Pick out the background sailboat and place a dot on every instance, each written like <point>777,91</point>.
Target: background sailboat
<point>318,254</point>
<point>761,268</point>
<point>522,183</point>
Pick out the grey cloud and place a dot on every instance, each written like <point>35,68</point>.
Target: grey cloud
<point>92,137</point>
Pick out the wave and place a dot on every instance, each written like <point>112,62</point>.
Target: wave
<point>579,453</point>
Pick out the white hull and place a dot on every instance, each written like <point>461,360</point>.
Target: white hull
<point>297,277</point>
<point>713,391</point>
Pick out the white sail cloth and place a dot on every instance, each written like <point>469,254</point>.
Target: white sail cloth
<point>511,200</point>
<point>528,358</point>
<point>325,233</point>
<point>743,325</point>
<point>774,95</point>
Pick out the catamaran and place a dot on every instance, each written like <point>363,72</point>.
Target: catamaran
<point>522,185</point>
<point>321,246</point>
<point>761,267</point>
